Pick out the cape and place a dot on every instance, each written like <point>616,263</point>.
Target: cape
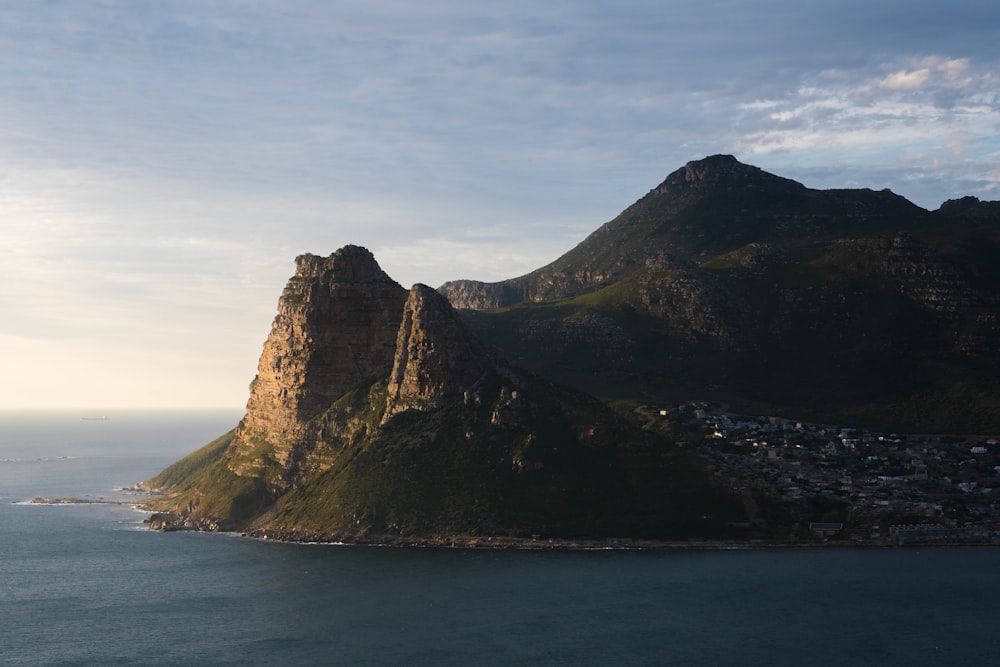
<point>483,409</point>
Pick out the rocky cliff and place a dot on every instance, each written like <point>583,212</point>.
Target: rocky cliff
<point>375,413</point>
<point>336,328</point>
<point>378,411</point>
<point>435,359</point>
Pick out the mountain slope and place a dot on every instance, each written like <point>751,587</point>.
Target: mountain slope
<point>729,283</point>
<point>706,208</point>
<point>380,413</point>
<point>433,439</point>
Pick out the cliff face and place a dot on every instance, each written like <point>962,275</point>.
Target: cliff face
<point>478,295</point>
<point>435,359</point>
<point>375,413</point>
<point>336,327</point>
<point>680,292</point>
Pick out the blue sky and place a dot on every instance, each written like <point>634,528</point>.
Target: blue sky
<point>162,163</point>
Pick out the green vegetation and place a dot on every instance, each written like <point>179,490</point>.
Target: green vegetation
<point>516,460</point>
<point>725,284</point>
<point>448,472</point>
<point>181,475</point>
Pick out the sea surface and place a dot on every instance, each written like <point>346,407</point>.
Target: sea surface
<point>87,584</point>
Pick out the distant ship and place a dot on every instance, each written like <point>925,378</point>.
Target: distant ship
<point>102,418</point>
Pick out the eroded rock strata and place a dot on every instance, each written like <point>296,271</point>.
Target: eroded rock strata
<point>376,415</point>
<point>336,327</point>
<point>435,358</point>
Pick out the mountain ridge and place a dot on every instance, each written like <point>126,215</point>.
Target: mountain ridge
<point>606,254</point>
<point>381,414</point>
<point>438,438</point>
<point>791,299</point>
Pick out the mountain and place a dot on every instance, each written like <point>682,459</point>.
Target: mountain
<point>728,283</point>
<point>381,414</point>
<point>376,416</point>
<point>707,207</point>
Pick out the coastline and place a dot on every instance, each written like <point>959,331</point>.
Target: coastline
<point>162,522</point>
<point>159,521</point>
<point>70,500</point>
<point>504,543</point>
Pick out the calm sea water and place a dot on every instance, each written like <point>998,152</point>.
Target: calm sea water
<point>88,585</point>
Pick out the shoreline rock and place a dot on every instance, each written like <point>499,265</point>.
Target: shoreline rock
<point>78,501</point>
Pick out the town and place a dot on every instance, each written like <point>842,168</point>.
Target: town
<point>844,485</point>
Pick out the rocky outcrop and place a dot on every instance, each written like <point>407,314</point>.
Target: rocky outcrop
<point>756,256</point>
<point>722,171</point>
<point>435,359</point>
<point>166,522</point>
<point>917,272</point>
<point>336,327</point>
<point>971,207</point>
<point>690,299</point>
<point>375,413</point>
<point>344,441</point>
<point>476,295</point>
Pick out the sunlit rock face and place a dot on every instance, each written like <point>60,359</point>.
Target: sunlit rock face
<point>336,327</point>
<point>477,295</point>
<point>435,359</point>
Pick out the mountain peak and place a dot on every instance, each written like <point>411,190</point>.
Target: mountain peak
<point>435,358</point>
<point>348,264</point>
<point>719,162</point>
<point>720,171</point>
<point>336,326</point>
<point>341,442</point>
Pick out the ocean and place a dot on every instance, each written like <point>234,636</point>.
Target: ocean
<point>87,584</point>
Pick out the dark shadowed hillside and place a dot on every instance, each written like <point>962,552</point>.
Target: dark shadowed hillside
<point>382,414</point>
<point>730,283</point>
<point>375,415</point>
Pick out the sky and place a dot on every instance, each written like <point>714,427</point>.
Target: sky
<point>163,163</point>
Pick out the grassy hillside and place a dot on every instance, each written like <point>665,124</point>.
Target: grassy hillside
<point>521,457</point>
<point>183,474</point>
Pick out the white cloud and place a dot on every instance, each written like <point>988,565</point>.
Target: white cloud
<point>930,73</point>
<point>162,164</point>
<point>912,80</point>
<point>954,69</point>
<point>933,106</point>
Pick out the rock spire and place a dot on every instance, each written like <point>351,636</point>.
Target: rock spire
<point>336,326</point>
<point>435,358</point>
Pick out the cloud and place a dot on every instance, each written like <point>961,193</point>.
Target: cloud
<point>932,106</point>
<point>954,69</point>
<point>935,74</point>
<point>905,80</point>
<point>161,164</point>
